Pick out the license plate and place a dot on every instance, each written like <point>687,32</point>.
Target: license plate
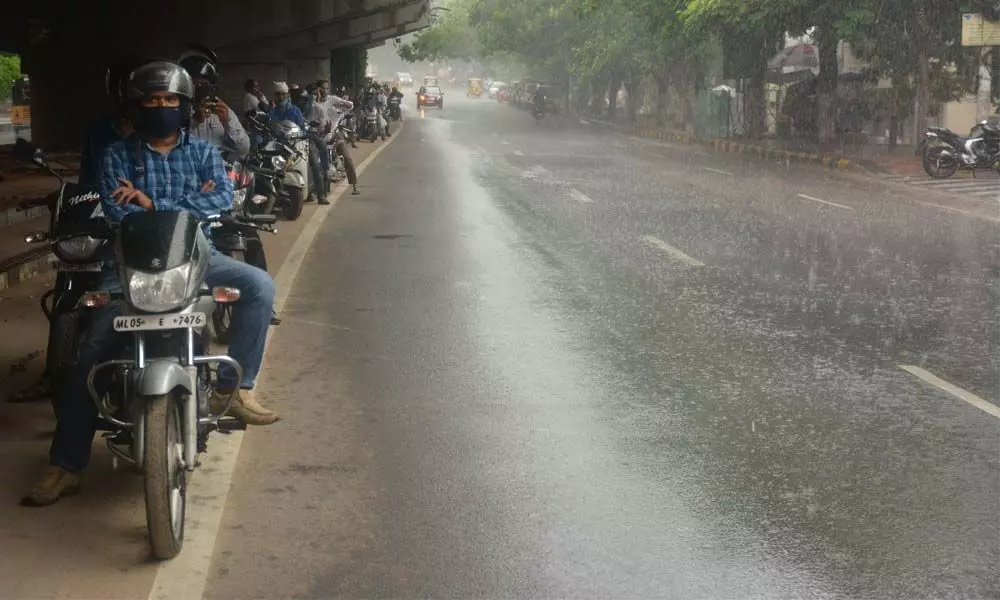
<point>92,267</point>
<point>154,322</point>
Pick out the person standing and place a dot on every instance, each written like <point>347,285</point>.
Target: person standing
<point>254,98</point>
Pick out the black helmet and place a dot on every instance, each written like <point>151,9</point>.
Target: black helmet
<point>158,76</point>
<point>200,66</point>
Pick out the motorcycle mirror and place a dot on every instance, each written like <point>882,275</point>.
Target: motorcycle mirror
<point>25,151</point>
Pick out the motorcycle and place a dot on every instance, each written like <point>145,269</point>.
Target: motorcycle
<point>944,152</point>
<point>341,163</point>
<point>370,127</point>
<point>76,236</point>
<point>395,112</point>
<point>239,238</point>
<point>285,144</point>
<point>154,399</point>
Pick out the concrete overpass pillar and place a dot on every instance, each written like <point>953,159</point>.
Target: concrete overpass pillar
<point>67,68</point>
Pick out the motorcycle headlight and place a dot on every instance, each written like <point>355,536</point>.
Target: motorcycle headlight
<point>159,292</point>
<point>278,162</point>
<point>79,248</point>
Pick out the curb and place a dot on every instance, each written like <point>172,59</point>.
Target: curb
<point>733,147</point>
<point>12,216</point>
<point>24,267</point>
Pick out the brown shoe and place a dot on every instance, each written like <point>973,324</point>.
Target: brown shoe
<point>244,408</point>
<point>55,483</point>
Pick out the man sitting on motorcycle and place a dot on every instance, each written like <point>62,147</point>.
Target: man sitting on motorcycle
<point>283,109</point>
<point>161,168</point>
<point>213,120</point>
<point>319,155</point>
<point>397,95</point>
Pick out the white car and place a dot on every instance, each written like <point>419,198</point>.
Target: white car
<point>404,79</point>
<point>496,86</point>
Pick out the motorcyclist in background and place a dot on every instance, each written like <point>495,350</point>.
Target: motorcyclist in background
<point>108,129</point>
<point>319,157</point>
<point>283,109</point>
<point>336,107</point>
<point>212,120</point>
<point>539,108</point>
<point>105,131</point>
<point>397,95</point>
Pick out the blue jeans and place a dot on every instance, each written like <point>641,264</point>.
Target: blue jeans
<point>76,414</point>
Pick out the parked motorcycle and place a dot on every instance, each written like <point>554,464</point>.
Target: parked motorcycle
<point>945,152</point>
<point>77,236</point>
<point>340,163</point>
<point>239,238</point>
<point>370,128</point>
<point>285,144</point>
<point>154,398</point>
<point>395,111</point>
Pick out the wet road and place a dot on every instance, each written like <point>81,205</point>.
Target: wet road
<point>532,362</point>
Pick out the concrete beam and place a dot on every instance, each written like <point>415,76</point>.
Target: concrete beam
<point>381,20</point>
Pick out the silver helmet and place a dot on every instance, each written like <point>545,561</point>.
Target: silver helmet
<point>159,76</point>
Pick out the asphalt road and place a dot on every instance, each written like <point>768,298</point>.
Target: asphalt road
<point>536,362</point>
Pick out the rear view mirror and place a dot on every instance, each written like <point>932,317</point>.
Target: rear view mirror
<point>25,151</point>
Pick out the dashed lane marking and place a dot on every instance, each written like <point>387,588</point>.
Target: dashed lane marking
<point>661,245</point>
<point>954,390</point>
<point>825,202</point>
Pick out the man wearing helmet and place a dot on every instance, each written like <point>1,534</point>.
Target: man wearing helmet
<point>212,120</point>
<point>160,168</point>
<point>109,129</point>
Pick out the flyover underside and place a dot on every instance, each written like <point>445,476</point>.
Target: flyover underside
<point>66,45</point>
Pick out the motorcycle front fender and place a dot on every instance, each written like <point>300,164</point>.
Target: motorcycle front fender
<point>295,179</point>
<point>162,376</point>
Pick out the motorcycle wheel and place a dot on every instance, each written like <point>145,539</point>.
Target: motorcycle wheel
<point>935,166</point>
<point>164,477</point>
<point>65,331</point>
<point>293,209</point>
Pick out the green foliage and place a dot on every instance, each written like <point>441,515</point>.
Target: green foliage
<point>10,70</point>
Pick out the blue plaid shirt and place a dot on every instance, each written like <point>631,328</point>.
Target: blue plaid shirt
<point>172,181</point>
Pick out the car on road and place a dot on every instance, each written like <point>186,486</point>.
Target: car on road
<point>430,95</point>
<point>404,79</point>
<point>495,87</point>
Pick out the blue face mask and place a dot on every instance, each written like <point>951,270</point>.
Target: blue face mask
<point>159,121</point>
<point>285,103</point>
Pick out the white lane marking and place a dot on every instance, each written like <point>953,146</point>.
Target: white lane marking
<point>518,153</point>
<point>505,142</point>
<point>186,576</point>
<point>580,196</point>
<point>956,391</point>
<point>825,202</point>
<point>661,245</point>
<point>717,171</point>
<point>958,210</point>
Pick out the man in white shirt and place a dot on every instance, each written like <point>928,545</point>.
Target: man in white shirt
<point>254,98</point>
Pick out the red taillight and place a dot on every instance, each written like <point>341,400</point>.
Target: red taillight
<point>245,179</point>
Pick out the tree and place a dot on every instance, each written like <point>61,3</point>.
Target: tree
<point>10,70</point>
<point>450,37</point>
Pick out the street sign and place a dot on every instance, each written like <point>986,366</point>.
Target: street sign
<point>977,31</point>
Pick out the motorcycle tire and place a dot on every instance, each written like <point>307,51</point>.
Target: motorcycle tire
<point>164,477</point>
<point>296,199</point>
<point>932,166</point>
<point>65,333</point>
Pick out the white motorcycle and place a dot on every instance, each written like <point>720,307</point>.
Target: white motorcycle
<point>296,178</point>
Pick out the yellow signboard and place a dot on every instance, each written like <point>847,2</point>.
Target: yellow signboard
<point>977,31</point>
